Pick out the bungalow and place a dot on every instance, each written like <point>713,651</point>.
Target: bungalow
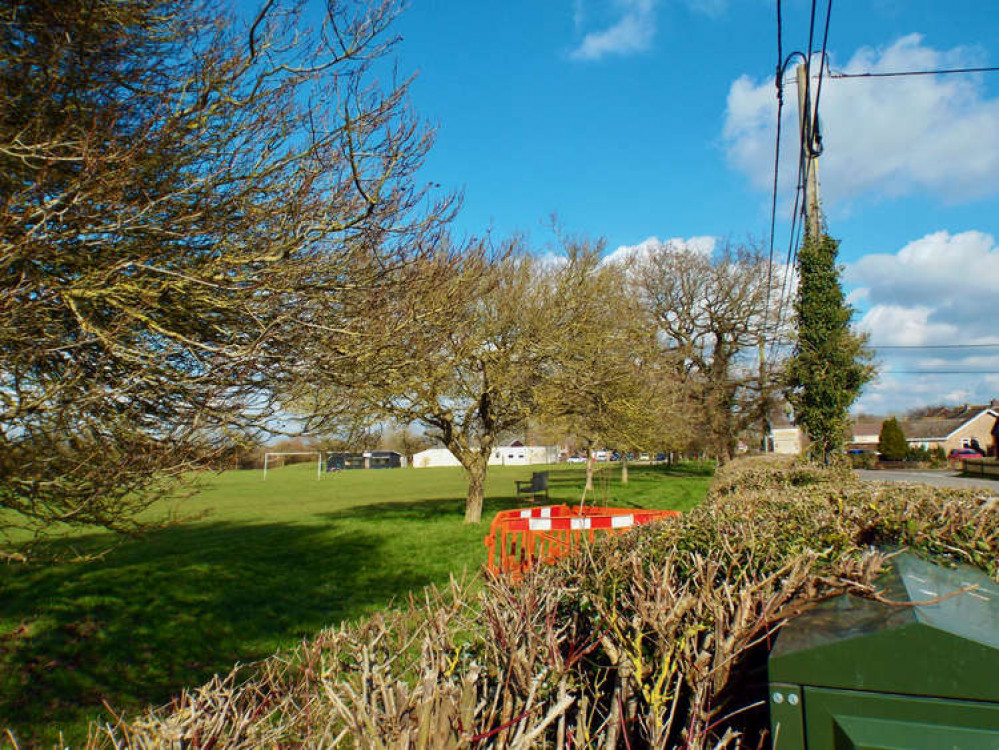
<point>946,428</point>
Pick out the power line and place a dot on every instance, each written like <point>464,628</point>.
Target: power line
<point>933,346</point>
<point>901,73</point>
<point>822,67</point>
<point>792,252</point>
<point>780,108</point>
<point>970,373</point>
<point>811,33</point>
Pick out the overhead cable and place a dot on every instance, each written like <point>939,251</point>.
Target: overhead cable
<point>818,89</point>
<point>933,346</point>
<point>780,108</point>
<point>901,73</point>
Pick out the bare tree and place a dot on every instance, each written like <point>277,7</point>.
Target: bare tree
<point>466,372</point>
<point>185,203</point>
<point>711,311</point>
<point>611,383</point>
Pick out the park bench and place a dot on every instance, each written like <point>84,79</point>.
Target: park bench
<point>538,486</point>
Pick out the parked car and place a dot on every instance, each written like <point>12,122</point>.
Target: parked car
<point>576,459</point>
<point>960,454</point>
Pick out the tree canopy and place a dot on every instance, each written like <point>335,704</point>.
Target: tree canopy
<point>184,200</point>
<point>711,311</point>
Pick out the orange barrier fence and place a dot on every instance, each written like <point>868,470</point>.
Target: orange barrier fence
<point>544,534</point>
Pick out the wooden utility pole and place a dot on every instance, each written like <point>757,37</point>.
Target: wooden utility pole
<point>806,120</point>
<point>764,396</point>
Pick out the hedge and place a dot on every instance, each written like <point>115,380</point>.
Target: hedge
<point>656,638</point>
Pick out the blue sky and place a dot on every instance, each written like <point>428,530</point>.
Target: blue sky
<point>638,119</point>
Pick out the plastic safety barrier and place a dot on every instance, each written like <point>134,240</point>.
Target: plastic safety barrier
<point>519,539</point>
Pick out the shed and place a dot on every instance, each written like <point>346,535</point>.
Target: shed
<point>365,460</point>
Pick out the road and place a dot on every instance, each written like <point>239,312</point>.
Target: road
<point>936,478</point>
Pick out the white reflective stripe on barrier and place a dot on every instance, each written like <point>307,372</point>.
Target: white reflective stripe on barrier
<point>621,522</point>
<point>536,512</point>
<point>579,523</point>
<point>539,524</point>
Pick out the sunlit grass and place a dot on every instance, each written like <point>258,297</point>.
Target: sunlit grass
<point>269,564</point>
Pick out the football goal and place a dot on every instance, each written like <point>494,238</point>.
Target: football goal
<point>278,456</point>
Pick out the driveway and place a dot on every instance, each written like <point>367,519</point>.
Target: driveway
<point>943,478</point>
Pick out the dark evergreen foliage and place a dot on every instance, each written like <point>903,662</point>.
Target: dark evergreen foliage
<point>891,441</point>
<point>830,363</point>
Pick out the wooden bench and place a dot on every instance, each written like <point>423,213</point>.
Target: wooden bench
<point>538,486</point>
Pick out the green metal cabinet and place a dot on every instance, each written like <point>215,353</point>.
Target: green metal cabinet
<point>856,674</point>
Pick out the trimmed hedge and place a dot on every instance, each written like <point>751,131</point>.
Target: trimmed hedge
<point>653,638</point>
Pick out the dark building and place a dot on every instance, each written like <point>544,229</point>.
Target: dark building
<point>365,460</point>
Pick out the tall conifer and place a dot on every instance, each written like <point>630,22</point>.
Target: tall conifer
<point>830,363</point>
<point>891,441</point>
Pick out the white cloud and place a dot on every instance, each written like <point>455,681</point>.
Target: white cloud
<point>632,32</point>
<point>942,285</point>
<point>884,137</point>
<point>857,295</point>
<point>905,326</point>
<point>937,290</point>
<point>704,244</point>
<point>897,394</point>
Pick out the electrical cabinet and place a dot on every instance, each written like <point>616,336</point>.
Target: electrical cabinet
<point>916,671</point>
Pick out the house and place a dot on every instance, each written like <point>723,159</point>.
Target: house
<point>785,437</point>
<point>517,454</point>
<point>945,428</point>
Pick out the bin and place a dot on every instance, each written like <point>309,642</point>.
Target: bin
<point>857,674</point>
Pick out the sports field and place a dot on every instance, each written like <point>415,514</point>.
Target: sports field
<point>268,564</point>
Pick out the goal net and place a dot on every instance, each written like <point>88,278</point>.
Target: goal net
<point>276,458</point>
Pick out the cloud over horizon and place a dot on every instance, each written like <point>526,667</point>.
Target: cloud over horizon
<point>938,290</point>
<point>703,244</point>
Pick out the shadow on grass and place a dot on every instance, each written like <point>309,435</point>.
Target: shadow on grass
<point>447,509</point>
<point>177,606</point>
<point>170,610</point>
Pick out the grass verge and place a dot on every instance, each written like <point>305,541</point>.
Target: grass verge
<point>656,638</point>
<point>272,563</point>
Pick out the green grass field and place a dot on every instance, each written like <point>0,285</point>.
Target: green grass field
<point>269,564</point>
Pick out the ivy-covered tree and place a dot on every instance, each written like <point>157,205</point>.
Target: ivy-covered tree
<point>891,441</point>
<point>830,364</point>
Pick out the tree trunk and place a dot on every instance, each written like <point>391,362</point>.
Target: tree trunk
<point>624,468</point>
<point>589,467</point>
<point>476,470</point>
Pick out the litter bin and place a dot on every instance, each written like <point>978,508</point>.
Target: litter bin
<point>857,674</point>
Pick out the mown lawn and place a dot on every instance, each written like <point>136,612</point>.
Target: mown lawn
<point>271,563</point>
